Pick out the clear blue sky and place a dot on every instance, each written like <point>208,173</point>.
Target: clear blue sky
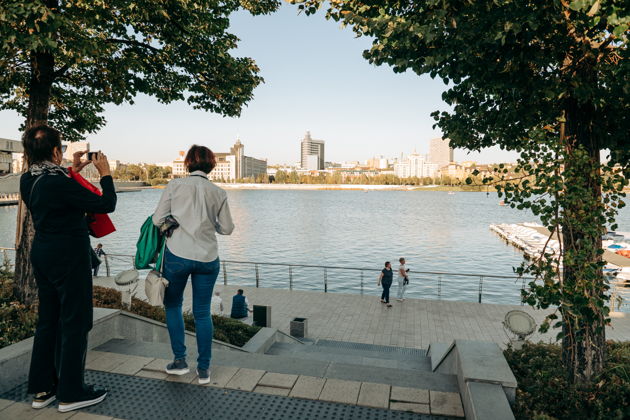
<point>315,79</point>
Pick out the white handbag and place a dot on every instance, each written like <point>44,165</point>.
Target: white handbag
<point>155,285</point>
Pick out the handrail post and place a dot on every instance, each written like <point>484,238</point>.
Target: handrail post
<point>440,287</point>
<point>290,278</point>
<point>480,287</point>
<point>325,280</point>
<point>224,273</point>
<point>361,281</point>
<point>257,276</point>
<point>107,271</point>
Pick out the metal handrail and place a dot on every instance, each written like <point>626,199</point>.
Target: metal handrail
<point>332,267</point>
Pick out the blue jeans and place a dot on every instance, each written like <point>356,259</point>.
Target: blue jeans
<point>204,275</point>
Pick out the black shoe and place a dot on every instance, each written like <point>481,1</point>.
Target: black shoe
<point>177,367</point>
<point>43,399</point>
<point>92,396</point>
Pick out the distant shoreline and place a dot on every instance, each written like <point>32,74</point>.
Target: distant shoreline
<point>347,187</point>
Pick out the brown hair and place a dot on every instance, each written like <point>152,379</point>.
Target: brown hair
<point>39,143</point>
<point>200,158</point>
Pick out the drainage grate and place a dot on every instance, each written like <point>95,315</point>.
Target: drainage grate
<point>371,347</point>
<point>135,398</point>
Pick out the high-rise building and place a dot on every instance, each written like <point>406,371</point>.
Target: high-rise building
<point>311,147</point>
<point>415,165</point>
<point>440,152</point>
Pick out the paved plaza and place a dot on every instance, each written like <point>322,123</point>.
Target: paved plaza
<point>412,323</point>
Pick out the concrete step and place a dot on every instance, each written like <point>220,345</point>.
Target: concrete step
<point>293,364</point>
<point>350,355</point>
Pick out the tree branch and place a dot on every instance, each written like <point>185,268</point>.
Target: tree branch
<point>61,71</point>
<point>131,42</point>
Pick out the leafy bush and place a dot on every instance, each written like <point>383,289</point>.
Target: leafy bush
<point>158,181</point>
<point>225,329</point>
<point>18,322</point>
<point>544,392</point>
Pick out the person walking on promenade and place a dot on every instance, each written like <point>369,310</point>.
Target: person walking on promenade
<point>62,265</point>
<point>240,306</point>
<point>216,305</point>
<point>100,253</point>
<point>403,279</point>
<point>385,279</point>
<point>201,210</point>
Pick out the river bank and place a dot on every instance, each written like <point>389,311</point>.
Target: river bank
<point>349,187</point>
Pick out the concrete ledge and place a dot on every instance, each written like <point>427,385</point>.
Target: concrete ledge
<point>436,352</point>
<point>476,363</point>
<point>486,401</point>
<point>15,359</point>
<point>261,341</point>
<point>108,324</point>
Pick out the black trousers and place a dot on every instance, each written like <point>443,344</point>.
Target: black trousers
<point>62,268</point>
<point>385,294</point>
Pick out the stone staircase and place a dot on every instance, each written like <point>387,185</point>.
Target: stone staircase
<point>380,377</point>
<point>274,377</point>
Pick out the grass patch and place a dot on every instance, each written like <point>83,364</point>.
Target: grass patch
<point>544,393</point>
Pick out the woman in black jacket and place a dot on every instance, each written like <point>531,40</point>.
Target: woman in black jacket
<point>61,261</point>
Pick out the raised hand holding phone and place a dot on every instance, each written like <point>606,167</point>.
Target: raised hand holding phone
<point>77,163</point>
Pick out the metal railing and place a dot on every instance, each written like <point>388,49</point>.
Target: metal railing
<point>325,271</point>
<point>283,275</point>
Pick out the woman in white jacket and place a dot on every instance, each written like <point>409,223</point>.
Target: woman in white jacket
<point>201,210</point>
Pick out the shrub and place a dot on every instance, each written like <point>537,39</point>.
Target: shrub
<point>225,329</point>
<point>545,393</point>
<point>17,322</point>
<point>158,181</point>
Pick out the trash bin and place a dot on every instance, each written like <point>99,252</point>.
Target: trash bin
<point>262,316</point>
<point>297,327</point>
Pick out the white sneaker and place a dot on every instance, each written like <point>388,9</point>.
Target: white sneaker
<point>43,399</point>
<point>204,376</point>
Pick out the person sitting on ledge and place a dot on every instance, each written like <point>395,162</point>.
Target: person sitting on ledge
<point>240,306</point>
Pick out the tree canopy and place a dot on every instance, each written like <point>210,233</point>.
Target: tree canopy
<point>93,52</point>
<point>511,65</point>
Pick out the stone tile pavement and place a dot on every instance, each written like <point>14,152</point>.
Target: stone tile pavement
<point>296,386</point>
<point>412,323</point>
<point>11,410</point>
<point>363,319</point>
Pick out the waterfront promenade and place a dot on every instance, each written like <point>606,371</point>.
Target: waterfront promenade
<point>413,323</point>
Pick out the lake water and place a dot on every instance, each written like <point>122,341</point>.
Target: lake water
<point>435,231</point>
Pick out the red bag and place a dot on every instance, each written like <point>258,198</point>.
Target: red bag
<point>99,224</point>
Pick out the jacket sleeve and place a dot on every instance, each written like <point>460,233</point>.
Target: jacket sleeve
<point>163,208</point>
<point>224,224</point>
<point>85,200</point>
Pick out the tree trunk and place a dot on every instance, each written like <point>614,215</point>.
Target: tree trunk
<point>584,334</point>
<point>42,76</point>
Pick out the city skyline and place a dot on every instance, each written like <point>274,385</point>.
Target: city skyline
<point>305,89</point>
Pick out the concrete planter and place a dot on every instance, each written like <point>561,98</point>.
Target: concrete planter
<point>298,327</point>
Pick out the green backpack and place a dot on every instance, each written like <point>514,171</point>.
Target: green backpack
<point>150,246</point>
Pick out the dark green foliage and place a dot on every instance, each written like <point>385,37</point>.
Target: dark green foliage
<point>17,321</point>
<point>225,329</point>
<point>545,392</point>
<point>87,53</point>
